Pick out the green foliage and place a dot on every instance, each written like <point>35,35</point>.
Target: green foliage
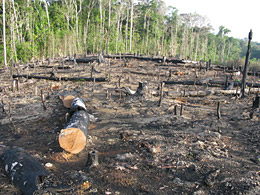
<point>76,26</point>
<point>24,51</point>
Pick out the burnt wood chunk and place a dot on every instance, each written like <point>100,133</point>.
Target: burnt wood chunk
<point>142,88</point>
<point>77,104</point>
<point>256,101</point>
<point>23,170</point>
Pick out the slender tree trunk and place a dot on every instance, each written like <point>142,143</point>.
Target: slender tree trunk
<point>101,22</point>
<point>13,38</point>
<point>15,16</point>
<point>109,24</point>
<point>117,34</point>
<point>171,42</point>
<point>192,37</point>
<point>121,34</point>
<point>126,29</point>
<point>175,37</point>
<point>223,50</point>
<point>5,63</point>
<point>131,25</point>
<point>143,41</point>
<point>47,13</point>
<point>147,35</point>
<point>197,46</point>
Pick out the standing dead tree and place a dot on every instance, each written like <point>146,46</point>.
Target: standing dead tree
<point>243,86</point>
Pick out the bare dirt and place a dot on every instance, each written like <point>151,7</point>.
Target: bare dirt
<point>143,148</point>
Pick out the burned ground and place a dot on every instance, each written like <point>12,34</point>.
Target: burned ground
<point>143,148</point>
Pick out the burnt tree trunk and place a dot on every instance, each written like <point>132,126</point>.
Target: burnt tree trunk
<point>210,82</point>
<point>61,78</point>
<point>73,137</point>
<point>23,170</point>
<point>243,86</point>
<point>256,101</point>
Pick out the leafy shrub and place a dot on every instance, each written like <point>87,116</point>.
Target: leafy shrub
<point>24,51</point>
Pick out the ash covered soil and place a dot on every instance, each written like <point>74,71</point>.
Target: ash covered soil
<point>143,148</point>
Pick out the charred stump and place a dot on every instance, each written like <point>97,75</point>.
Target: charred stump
<point>142,88</point>
<point>256,101</point>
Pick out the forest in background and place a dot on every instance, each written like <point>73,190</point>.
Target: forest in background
<point>47,29</point>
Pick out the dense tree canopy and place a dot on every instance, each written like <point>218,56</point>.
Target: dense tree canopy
<point>42,28</point>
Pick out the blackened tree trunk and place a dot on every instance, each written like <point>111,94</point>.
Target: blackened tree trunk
<point>23,170</point>
<point>73,137</point>
<point>246,64</point>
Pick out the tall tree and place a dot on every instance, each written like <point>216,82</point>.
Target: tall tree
<point>4,40</point>
<point>131,25</point>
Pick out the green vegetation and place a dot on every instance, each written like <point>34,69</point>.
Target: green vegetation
<point>40,28</point>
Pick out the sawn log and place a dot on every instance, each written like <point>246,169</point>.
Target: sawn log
<point>73,137</point>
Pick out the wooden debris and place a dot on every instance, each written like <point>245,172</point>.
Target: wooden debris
<point>208,92</point>
<point>218,111</point>
<point>256,101</point>
<point>23,170</point>
<point>92,159</point>
<point>211,82</point>
<point>61,78</point>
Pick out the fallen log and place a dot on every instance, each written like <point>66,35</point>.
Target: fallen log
<point>231,69</point>
<point>211,82</point>
<point>175,61</point>
<point>73,137</point>
<point>146,58</point>
<point>23,170</point>
<point>48,66</point>
<point>61,78</point>
<point>67,98</point>
<point>209,92</point>
<point>146,73</point>
<point>56,72</point>
<point>84,60</point>
<point>128,56</point>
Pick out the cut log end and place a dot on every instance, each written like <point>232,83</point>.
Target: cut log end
<point>72,140</point>
<point>67,101</point>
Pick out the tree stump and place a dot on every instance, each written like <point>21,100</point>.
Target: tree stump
<point>142,88</point>
<point>256,101</point>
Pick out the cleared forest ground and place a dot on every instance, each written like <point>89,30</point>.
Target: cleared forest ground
<point>143,148</point>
